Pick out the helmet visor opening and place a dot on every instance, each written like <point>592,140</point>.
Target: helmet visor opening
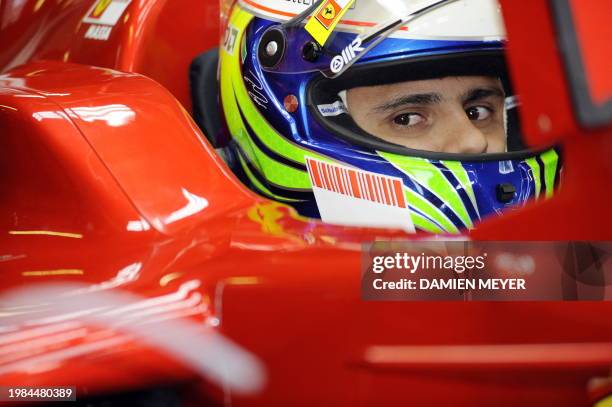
<point>453,107</point>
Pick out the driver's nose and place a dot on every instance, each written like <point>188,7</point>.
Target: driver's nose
<point>463,136</point>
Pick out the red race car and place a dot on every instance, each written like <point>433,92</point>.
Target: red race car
<point>138,270</point>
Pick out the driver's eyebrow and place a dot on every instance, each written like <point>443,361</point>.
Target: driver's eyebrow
<point>476,94</point>
<point>415,99</point>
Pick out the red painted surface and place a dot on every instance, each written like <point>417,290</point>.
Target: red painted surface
<point>108,183</point>
<point>157,38</point>
<point>593,32</point>
<point>580,209</point>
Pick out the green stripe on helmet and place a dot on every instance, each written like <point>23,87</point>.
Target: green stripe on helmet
<point>422,223</point>
<point>235,96</point>
<point>464,179</point>
<point>261,127</point>
<point>431,177</point>
<point>232,115</point>
<point>423,205</point>
<point>260,187</point>
<point>550,159</point>
<point>267,134</point>
<point>535,173</point>
<point>277,173</point>
<point>254,181</point>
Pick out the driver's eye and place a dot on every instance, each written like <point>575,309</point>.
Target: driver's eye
<point>478,113</point>
<point>408,119</point>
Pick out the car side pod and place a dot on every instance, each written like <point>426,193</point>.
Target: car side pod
<point>133,155</point>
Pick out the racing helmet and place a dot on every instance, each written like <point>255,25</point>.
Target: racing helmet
<point>285,69</point>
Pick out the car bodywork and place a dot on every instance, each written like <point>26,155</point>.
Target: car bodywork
<point>124,234</point>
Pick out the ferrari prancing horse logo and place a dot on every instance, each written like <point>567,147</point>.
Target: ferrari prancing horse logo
<point>328,13</point>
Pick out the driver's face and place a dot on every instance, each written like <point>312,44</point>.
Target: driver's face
<point>452,115</point>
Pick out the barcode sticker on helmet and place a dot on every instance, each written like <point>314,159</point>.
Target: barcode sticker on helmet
<point>349,196</point>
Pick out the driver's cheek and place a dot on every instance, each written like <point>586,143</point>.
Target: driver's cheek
<point>495,133</point>
<point>497,142</point>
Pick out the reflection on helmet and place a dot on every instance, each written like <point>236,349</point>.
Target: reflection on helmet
<point>292,112</point>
